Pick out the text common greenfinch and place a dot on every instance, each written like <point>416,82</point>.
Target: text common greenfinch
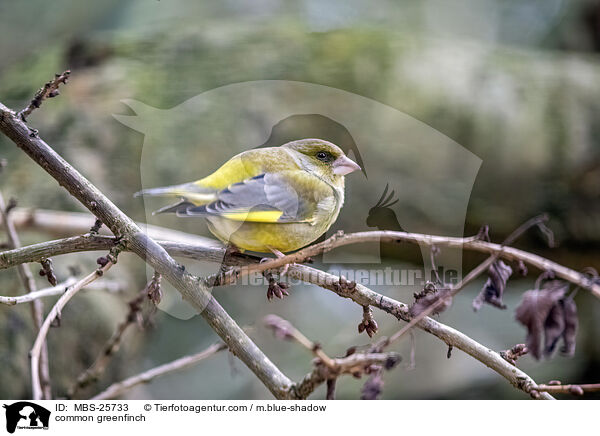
<point>275,199</point>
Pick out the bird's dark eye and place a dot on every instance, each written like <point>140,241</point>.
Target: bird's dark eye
<point>323,156</point>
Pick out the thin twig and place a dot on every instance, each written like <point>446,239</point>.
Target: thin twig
<point>285,330</point>
<point>49,90</point>
<point>37,307</point>
<point>557,388</point>
<point>514,353</point>
<point>108,286</point>
<point>55,313</point>
<point>42,293</point>
<point>470,243</point>
<point>117,389</point>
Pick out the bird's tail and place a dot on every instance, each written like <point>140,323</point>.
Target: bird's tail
<point>188,191</point>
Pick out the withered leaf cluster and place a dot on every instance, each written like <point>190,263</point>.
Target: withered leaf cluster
<point>549,315</point>
<point>373,387</point>
<point>493,289</point>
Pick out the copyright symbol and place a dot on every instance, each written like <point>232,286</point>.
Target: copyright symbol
<point>147,407</point>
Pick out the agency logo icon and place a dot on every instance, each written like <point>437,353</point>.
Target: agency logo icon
<point>26,415</point>
<point>192,139</point>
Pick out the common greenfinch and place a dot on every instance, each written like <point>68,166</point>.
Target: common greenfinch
<point>275,199</point>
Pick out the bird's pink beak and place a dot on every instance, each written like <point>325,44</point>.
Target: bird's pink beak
<point>344,165</point>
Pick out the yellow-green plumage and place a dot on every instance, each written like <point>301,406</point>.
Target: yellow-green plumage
<point>266,199</point>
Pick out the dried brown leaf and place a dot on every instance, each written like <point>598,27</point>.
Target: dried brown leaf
<point>544,313</point>
<point>493,289</point>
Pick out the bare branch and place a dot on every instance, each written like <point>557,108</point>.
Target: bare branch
<point>117,389</point>
<point>471,243</point>
<point>452,291</point>
<point>327,369</point>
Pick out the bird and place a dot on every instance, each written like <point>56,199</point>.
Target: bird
<point>268,200</point>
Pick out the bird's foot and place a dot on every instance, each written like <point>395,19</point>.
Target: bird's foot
<point>279,254</point>
<point>231,251</point>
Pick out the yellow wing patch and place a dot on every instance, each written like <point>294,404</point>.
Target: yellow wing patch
<point>259,216</point>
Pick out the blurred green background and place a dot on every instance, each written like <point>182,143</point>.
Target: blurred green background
<point>514,82</point>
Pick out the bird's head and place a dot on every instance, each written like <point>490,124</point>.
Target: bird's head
<point>322,158</point>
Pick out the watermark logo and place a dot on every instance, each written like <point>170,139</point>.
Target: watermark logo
<point>413,178</point>
<point>26,416</point>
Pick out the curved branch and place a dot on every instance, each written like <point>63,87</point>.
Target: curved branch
<point>40,340</point>
<point>470,243</point>
<point>209,249</point>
